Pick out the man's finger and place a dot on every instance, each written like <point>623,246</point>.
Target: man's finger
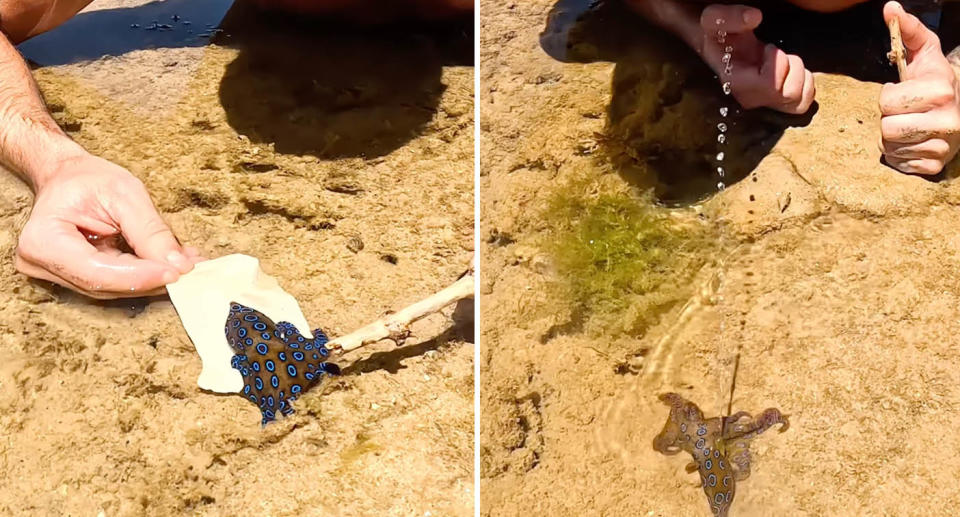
<point>147,233</point>
<point>775,67</point>
<point>733,19</point>
<point>809,92</point>
<point>924,167</point>
<point>906,97</point>
<point>65,254</point>
<point>916,127</point>
<point>793,83</point>
<point>935,148</point>
<point>34,271</point>
<point>916,36</point>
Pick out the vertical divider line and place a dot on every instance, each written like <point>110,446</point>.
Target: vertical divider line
<point>476,259</point>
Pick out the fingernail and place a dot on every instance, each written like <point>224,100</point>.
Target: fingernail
<point>170,276</point>
<point>751,16</point>
<point>177,259</point>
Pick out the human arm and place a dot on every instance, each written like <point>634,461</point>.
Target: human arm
<point>76,194</point>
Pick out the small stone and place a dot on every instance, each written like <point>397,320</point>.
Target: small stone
<point>355,244</point>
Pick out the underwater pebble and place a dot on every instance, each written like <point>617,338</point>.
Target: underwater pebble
<point>355,244</point>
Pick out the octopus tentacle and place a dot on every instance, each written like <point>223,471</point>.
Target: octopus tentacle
<point>720,447</point>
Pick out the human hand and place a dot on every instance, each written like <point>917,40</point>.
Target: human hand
<point>920,116</point>
<point>761,74</point>
<point>87,195</point>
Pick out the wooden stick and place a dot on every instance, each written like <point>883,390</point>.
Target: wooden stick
<point>395,326</point>
<point>897,54</point>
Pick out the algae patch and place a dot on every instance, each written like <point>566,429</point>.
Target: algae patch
<point>619,258</point>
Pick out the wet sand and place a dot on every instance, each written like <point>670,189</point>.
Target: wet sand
<point>839,286</point>
<point>250,149</point>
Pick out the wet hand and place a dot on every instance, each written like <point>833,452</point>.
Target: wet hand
<point>920,117</point>
<point>761,75</point>
<point>89,195</point>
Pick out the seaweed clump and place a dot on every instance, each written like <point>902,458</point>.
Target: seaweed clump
<point>621,259</point>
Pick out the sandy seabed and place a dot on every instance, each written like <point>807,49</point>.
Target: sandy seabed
<point>842,293</point>
<point>99,408</point>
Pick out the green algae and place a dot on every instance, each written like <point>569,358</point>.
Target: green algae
<point>620,259</point>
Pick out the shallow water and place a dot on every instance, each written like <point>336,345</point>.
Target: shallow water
<point>100,409</point>
<point>122,29</point>
<point>831,291</point>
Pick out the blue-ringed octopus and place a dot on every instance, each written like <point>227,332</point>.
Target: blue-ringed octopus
<point>720,446</point>
<point>276,361</point>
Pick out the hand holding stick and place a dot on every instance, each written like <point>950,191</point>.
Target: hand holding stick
<point>897,54</point>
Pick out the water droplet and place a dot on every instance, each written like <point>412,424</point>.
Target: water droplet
<point>720,21</point>
<point>722,127</point>
<point>721,33</point>
<point>132,289</point>
<point>721,186</point>
<point>721,139</point>
<point>723,111</point>
<point>728,49</point>
<point>721,172</point>
<point>726,88</point>
<point>725,58</point>
<point>728,69</point>
<point>720,157</point>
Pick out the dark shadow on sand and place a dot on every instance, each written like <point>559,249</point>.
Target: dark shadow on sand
<point>332,90</point>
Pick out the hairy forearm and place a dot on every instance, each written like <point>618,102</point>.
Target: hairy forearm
<point>31,143</point>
